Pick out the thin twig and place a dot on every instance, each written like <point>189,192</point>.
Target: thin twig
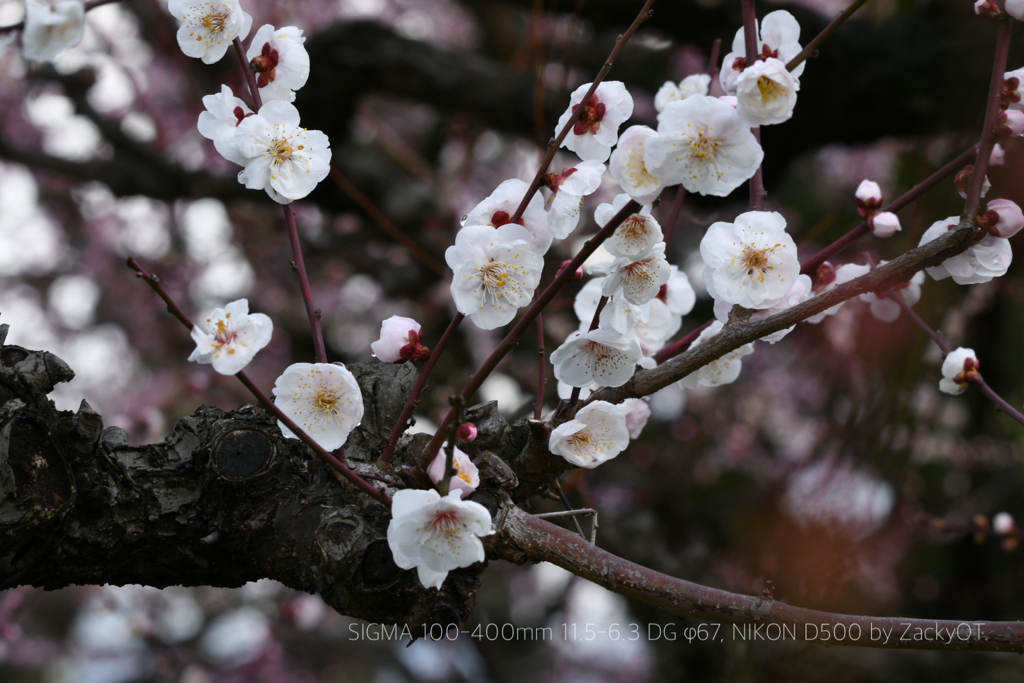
<point>421,382</point>
<point>750,43</point>
<point>542,369</point>
<point>574,398</point>
<point>248,75</point>
<point>154,283</point>
<point>568,506</point>
<point>826,33</point>
<point>312,312</point>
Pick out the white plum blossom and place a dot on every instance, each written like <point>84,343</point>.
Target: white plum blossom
<point>637,412</point>
<point>779,37</point>
<point>280,157</point>
<point>1002,218</point>
<point>465,475</point>
<point>232,337</point>
<point>597,130</point>
<point>704,145</point>
<point>987,259</point>
<point>1003,524</point>
<point>496,272</point>
<point>435,535</point>
<point>208,26</point>
<point>884,224</point>
<point>568,189</point>
<point>829,279</point>
<point>627,165</point>
<point>639,279</point>
<point>800,293</point>
<point>660,326</point>
<point>498,209</point>
<point>696,84</point>
<point>723,370</point>
<point>618,314</point>
<point>959,369</point>
<point>635,235</point>
<point>223,113</point>
<point>753,259</point>
<point>595,435</point>
<point>322,399</point>
<point>600,355</point>
<point>678,293</point>
<point>882,305</point>
<point>51,28</point>
<point>766,93</point>
<point>399,341</point>
<point>280,62</point>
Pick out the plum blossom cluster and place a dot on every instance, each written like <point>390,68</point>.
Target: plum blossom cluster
<point>278,155</point>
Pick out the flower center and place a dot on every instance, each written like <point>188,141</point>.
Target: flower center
<point>281,150</point>
<point>590,119</point>
<point>326,401</point>
<point>446,522</point>
<point>495,277</point>
<point>703,148</point>
<point>756,260</point>
<point>770,90</point>
<point>215,21</point>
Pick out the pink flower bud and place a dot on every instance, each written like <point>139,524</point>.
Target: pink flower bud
<point>467,432</point>
<point>868,192</point>
<point>884,224</point>
<point>1003,524</point>
<point>399,341</point>
<point>1002,219</point>
<point>576,277</point>
<point>998,156</point>
<point>1009,124</point>
<point>986,8</point>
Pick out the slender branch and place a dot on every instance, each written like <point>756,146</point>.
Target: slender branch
<point>826,33</point>
<point>678,347</point>
<point>811,264</point>
<point>312,312</point>
<point>673,216</point>
<point>248,75</point>
<point>92,4</point>
<point>421,382</point>
<point>716,49</point>
<point>988,136</point>
<point>750,43</point>
<point>542,541</point>
<point>736,332</point>
<point>449,460</point>
<point>568,506</point>
<point>1001,403</point>
<point>384,223</point>
<point>154,283</point>
<point>574,398</point>
<point>535,309</point>
<point>542,369</point>
<point>644,15</point>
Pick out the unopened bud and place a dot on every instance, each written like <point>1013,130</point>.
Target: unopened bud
<point>576,277</point>
<point>987,9</point>
<point>1009,124</point>
<point>884,224</point>
<point>1002,219</point>
<point>869,197</point>
<point>998,156</point>
<point>826,275</point>
<point>1003,524</point>
<point>1010,93</point>
<point>467,432</point>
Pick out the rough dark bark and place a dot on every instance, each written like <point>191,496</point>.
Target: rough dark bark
<point>224,500</point>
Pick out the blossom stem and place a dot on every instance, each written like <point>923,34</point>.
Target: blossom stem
<point>531,313</point>
<point>811,265</point>
<point>750,44</point>
<point>678,347</point>
<point>937,337</point>
<point>644,15</point>
<point>248,75</point>
<point>384,223</point>
<point>92,4</point>
<point>542,369</point>
<point>716,49</point>
<point>421,382</point>
<point>673,216</point>
<point>312,312</point>
<point>812,47</point>
<point>988,137</point>
<point>449,456</point>
<point>154,283</point>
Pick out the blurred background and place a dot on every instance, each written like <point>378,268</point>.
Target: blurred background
<point>833,474</point>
